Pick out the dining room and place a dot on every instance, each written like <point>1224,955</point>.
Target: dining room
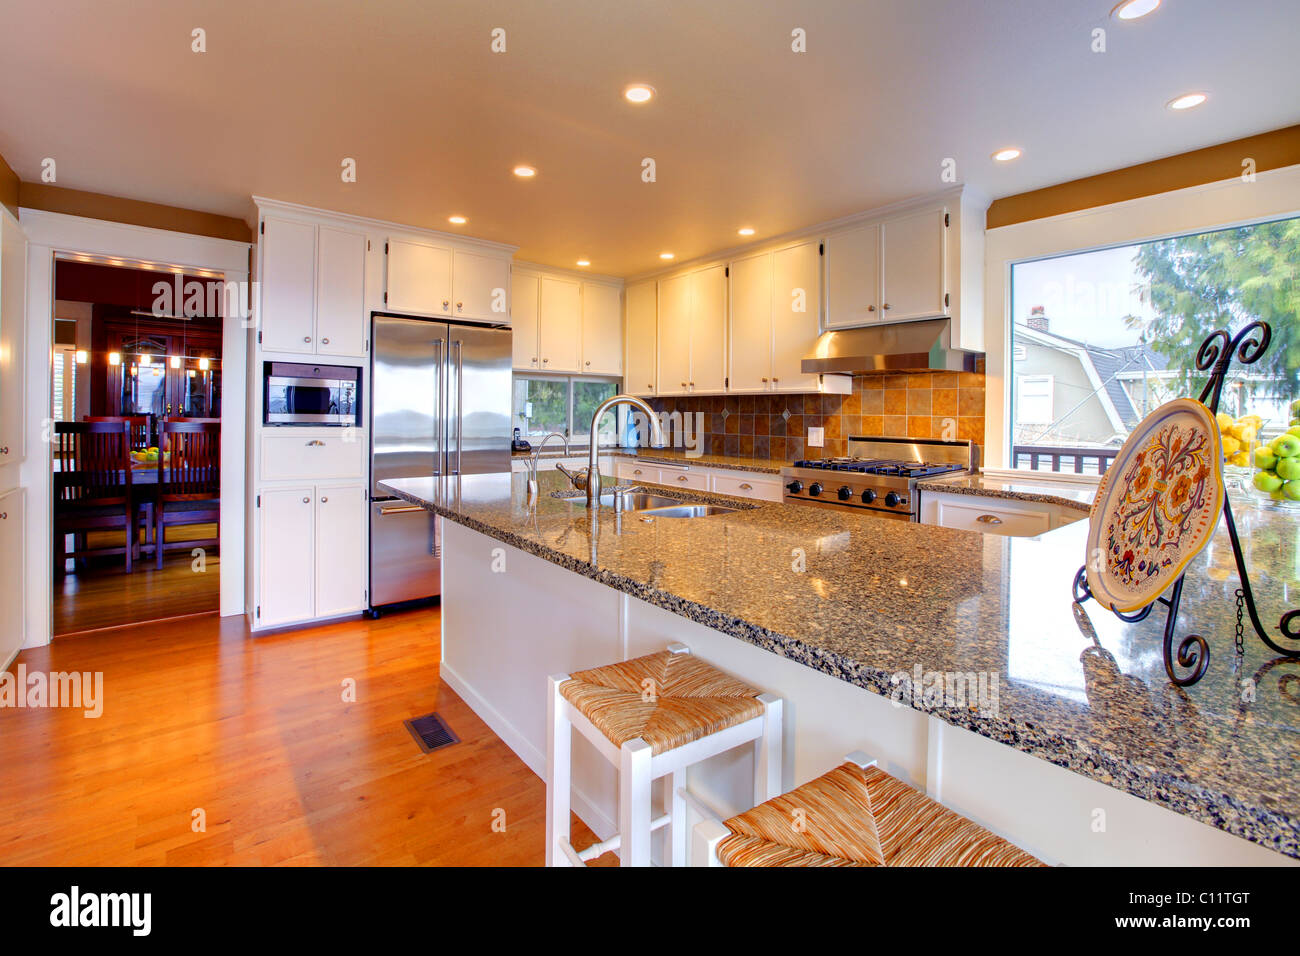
<point>134,434</point>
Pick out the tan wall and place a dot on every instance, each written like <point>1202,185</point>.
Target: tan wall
<point>8,188</point>
<point>75,202</point>
<point>1271,150</point>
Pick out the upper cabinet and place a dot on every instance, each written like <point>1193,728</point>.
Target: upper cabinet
<point>559,325</point>
<point>775,313</point>
<point>565,324</point>
<point>602,329</point>
<point>640,332</point>
<point>426,277</point>
<point>313,288</point>
<point>921,262</point>
<point>525,292</point>
<point>692,332</point>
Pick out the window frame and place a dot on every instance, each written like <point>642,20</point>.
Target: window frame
<point>578,438</point>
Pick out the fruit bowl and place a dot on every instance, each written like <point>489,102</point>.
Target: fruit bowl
<point>1277,466</point>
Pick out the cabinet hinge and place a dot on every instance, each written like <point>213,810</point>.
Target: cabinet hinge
<point>726,382</point>
<point>385,248</point>
<point>385,298</point>
<point>262,227</point>
<point>945,300</point>
<point>821,248</point>
<point>947,220</point>
<point>259,338</point>
<point>367,245</point>
<point>259,612</point>
<point>726,273</point>
<point>259,501</point>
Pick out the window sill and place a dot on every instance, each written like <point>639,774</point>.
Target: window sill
<point>1033,475</point>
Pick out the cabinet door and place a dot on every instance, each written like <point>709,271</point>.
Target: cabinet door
<point>13,305</point>
<point>288,282</point>
<point>340,550</point>
<point>559,325</point>
<point>523,321</point>
<point>640,332</point>
<point>796,308</point>
<point>750,365</point>
<point>708,330</point>
<point>341,318</point>
<point>674,335</point>
<point>419,278</point>
<point>479,286</point>
<point>853,277</point>
<point>13,551</point>
<point>287,559</point>
<point>602,329</point>
<point>912,266</point>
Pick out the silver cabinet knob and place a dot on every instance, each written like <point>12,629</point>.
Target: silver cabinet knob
<point>989,519</point>
<point>636,471</point>
<point>306,338</point>
<point>765,381</point>
<point>651,385</point>
<point>681,477</point>
<point>545,360</point>
<point>683,384</point>
<point>315,443</point>
<point>775,380</point>
<point>4,516</point>
<point>324,341</point>
<point>306,501</point>
<point>446,303</point>
<point>323,499</point>
<point>588,363</point>
<point>459,305</point>
<point>746,486</point>
<point>4,450</point>
<point>534,359</point>
<point>885,306</point>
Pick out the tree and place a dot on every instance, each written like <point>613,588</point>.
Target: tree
<point>1224,280</point>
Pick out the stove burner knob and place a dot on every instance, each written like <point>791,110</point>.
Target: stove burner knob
<point>794,487</point>
<point>815,489</point>
<point>893,499</point>
<point>869,496</point>
<point>845,493</point>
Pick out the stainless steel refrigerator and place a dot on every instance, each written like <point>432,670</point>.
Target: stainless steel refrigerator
<point>440,405</point>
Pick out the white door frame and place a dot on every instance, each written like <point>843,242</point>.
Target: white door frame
<point>49,233</point>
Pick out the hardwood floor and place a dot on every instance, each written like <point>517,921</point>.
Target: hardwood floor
<point>255,732</point>
<point>103,595</point>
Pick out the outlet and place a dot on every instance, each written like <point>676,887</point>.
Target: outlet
<point>816,437</point>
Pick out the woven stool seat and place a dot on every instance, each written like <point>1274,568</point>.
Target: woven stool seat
<point>665,699</point>
<point>855,816</point>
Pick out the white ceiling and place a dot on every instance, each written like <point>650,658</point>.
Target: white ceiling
<point>743,131</point>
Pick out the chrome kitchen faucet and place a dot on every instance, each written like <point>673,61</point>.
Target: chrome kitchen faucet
<point>588,478</point>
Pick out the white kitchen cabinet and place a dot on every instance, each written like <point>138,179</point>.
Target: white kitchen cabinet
<point>287,559</point>
<point>741,484</point>
<point>708,330</point>
<point>524,300</point>
<point>341,518</point>
<point>602,329</point>
<point>853,277</point>
<point>640,335</point>
<point>13,580</point>
<point>13,304</point>
<point>312,553</point>
<point>912,266</point>
<point>340,292</point>
<point>674,336</point>
<point>775,310</point>
<point>723,481</point>
<point>559,325</point>
<point>418,277</point>
<point>294,453</point>
<point>313,288</point>
<point>478,285</point>
<point>992,515</point>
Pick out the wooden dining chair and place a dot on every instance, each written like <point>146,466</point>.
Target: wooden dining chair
<point>189,482</point>
<point>139,427</point>
<point>141,434</point>
<point>92,488</point>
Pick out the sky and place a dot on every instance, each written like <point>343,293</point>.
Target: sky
<point>1086,295</point>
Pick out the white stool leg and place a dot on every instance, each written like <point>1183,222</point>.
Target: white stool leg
<point>559,740</point>
<point>677,832</point>
<point>704,844</point>
<point>634,788</point>
<point>767,751</point>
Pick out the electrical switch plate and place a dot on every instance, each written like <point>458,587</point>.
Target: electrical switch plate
<point>816,437</point>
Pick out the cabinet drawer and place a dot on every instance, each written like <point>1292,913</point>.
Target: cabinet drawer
<point>679,478</point>
<point>636,471</point>
<point>747,486</point>
<point>293,454</point>
<point>993,520</point>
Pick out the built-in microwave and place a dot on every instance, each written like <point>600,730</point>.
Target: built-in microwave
<point>295,393</point>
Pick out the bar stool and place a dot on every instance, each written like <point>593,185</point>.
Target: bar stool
<point>854,815</point>
<point>652,717</point>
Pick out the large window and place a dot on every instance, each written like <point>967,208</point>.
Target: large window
<point>564,405</point>
<point>1099,339</point>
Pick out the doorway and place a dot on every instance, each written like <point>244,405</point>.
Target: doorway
<point>135,435</point>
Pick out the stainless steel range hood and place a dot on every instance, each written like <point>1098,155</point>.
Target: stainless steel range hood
<point>897,347</point>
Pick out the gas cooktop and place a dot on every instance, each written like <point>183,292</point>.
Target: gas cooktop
<point>893,467</point>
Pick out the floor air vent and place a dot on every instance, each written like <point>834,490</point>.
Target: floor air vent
<point>431,732</point>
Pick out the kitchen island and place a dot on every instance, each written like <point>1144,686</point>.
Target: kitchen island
<point>956,659</point>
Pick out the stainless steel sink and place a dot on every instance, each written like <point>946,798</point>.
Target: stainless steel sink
<point>657,506</point>
<point>686,511</point>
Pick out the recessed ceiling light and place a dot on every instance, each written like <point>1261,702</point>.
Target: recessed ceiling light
<point>639,93</point>
<point>747,231</point>
<point>1132,9</point>
<point>1186,101</point>
<point>525,172</point>
<point>457,220</point>
<point>665,255</point>
<point>584,262</point>
<point>1006,155</point>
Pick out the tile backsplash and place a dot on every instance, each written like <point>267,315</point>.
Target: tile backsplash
<point>897,404</point>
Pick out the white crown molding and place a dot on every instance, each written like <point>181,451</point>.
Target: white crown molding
<point>315,214</point>
<point>100,237</point>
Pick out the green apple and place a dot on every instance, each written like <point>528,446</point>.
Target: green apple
<point>1267,481</point>
<point>1295,407</point>
<point>1292,490</point>
<point>1278,495</point>
<point>1294,429</point>
<point>1288,469</point>
<point>1288,446</point>
<point>1265,460</point>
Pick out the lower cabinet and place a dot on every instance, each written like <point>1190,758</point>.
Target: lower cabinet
<point>723,481</point>
<point>13,549</point>
<point>990,515</point>
<point>312,553</point>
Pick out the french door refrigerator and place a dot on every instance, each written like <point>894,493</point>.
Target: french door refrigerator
<point>440,405</point>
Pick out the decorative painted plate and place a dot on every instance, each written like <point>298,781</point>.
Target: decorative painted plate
<point>1156,507</point>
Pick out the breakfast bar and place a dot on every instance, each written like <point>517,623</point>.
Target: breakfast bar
<point>958,660</point>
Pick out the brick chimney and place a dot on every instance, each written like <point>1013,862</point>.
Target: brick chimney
<point>1037,318</point>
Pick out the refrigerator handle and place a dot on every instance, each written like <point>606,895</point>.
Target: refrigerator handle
<point>460,395</point>
<point>438,421</point>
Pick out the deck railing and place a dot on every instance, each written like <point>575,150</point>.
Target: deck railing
<point>1061,458</point>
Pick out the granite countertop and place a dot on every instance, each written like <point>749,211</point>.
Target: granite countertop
<point>879,598</point>
<point>671,456</point>
<point>1075,496</point>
